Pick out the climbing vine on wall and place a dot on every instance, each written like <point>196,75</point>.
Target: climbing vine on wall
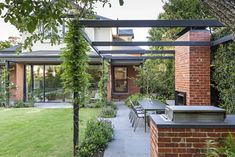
<point>5,87</point>
<point>224,72</point>
<point>3,91</point>
<point>103,83</point>
<point>224,75</point>
<point>75,75</point>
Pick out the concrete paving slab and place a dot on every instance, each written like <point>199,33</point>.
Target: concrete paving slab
<point>126,142</point>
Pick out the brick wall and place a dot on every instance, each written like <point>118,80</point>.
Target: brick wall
<point>19,81</point>
<point>183,142</point>
<point>132,88</point>
<point>192,68</point>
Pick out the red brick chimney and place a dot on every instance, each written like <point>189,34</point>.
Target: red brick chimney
<point>192,68</point>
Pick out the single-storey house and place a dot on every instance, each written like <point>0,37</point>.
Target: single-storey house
<point>38,72</point>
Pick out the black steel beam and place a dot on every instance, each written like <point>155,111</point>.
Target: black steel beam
<point>90,42</point>
<point>138,52</point>
<point>152,43</point>
<point>151,23</point>
<point>138,57</point>
<point>222,40</point>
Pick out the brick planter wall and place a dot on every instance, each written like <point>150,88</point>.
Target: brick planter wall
<point>184,141</point>
<point>192,68</point>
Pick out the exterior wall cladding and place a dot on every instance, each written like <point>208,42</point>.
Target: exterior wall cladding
<point>192,68</point>
<point>19,92</point>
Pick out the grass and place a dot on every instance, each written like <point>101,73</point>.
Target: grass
<point>39,132</point>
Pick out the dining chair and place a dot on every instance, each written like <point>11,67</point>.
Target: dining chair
<point>134,107</point>
<point>138,114</point>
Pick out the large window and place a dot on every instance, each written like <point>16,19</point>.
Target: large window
<point>54,90</point>
<point>38,83</point>
<point>120,79</point>
<point>44,83</point>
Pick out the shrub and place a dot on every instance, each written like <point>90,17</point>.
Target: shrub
<point>100,104</point>
<point>227,147</point>
<point>108,112</point>
<point>134,98</point>
<point>224,75</point>
<point>223,72</point>
<point>97,136</point>
<point>160,97</point>
<point>111,104</point>
<point>91,105</point>
<point>211,149</point>
<point>51,96</point>
<point>22,104</point>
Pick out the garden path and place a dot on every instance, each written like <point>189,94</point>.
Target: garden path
<point>126,142</point>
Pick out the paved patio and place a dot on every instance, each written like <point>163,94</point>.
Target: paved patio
<point>53,105</point>
<point>126,142</point>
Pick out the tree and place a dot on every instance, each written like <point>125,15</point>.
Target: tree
<point>224,10</point>
<point>4,44</point>
<point>28,15</point>
<point>75,73</point>
<point>178,9</point>
<point>156,77</point>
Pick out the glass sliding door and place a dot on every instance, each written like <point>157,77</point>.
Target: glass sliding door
<point>120,80</point>
<point>44,83</point>
<point>53,84</point>
<point>38,83</point>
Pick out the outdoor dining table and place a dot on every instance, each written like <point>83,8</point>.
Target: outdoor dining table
<point>151,105</point>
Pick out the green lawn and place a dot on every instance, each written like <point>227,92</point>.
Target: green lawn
<point>39,132</point>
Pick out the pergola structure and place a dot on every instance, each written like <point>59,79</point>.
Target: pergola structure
<point>192,56</point>
<point>125,55</point>
<point>168,54</point>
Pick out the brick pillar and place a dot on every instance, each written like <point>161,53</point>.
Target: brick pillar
<point>192,68</point>
<point>19,81</point>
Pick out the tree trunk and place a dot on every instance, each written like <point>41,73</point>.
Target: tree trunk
<point>224,10</point>
<point>75,124</point>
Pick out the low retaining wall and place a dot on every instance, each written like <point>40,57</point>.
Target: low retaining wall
<point>169,139</point>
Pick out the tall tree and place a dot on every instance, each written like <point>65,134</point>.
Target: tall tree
<point>224,10</point>
<point>28,15</point>
<point>4,44</point>
<point>178,9</point>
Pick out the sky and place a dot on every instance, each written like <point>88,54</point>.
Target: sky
<point>131,10</point>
